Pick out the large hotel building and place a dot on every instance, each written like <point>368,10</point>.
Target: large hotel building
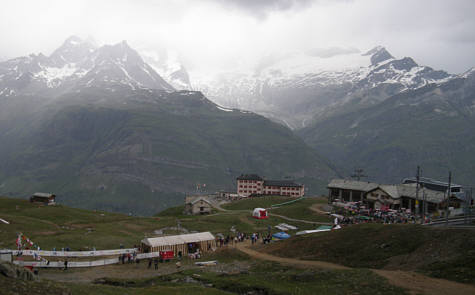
<point>253,184</point>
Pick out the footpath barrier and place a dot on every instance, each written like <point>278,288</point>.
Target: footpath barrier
<point>74,253</point>
<point>75,264</point>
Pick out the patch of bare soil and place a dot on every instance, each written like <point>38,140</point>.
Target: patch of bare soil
<point>117,271</point>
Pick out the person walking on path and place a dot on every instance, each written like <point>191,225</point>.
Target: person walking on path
<point>66,264</point>
<point>155,261</point>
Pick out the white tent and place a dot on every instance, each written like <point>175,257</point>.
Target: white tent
<point>178,239</point>
<point>179,242</point>
<point>259,213</point>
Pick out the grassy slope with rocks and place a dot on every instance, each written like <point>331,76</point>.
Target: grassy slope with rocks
<point>236,273</point>
<point>61,226</point>
<point>438,252</point>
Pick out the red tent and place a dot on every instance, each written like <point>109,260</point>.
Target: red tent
<point>260,213</point>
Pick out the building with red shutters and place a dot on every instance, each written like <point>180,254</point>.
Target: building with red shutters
<point>253,184</point>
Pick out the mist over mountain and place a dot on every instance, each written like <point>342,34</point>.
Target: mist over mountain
<point>97,123</point>
<point>102,129</point>
<point>169,66</point>
<point>369,110</point>
<point>297,89</point>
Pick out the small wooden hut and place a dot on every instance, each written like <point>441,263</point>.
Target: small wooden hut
<point>44,198</point>
<point>187,243</point>
<point>197,205</point>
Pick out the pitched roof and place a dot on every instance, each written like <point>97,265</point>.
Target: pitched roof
<point>431,183</point>
<point>200,199</point>
<point>397,191</point>
<point>44,195</point>
<point>355,185</point>
<point>178,239</point>
<point>249,177</point>
<point>286,183</point>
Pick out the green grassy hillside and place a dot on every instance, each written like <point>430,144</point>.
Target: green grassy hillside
<point>61,226</point>
<point>438,252</point>
<point>372,245</point>
<point>140,152</point>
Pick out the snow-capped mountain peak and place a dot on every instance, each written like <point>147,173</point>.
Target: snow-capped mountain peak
<point>79,63</point>
<point>73,50</point>
<point>119,63</point>
<point>168,65</point>
<point>378,54</point>
<point>300,86</point>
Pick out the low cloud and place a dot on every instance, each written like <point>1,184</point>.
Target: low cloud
<point>331,51</point>
<point>261,8</point>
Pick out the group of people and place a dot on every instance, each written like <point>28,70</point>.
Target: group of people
<point>357,215</point>
<point>129,257</point>
<point>241,237</point>
<point>155,262</point>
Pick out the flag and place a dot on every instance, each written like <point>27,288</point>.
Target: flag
<point>18,241</point>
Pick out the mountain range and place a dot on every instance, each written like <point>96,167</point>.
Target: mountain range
<point>102,129</point>
<point>109,128</point>
<point>368,110</point>
<point>302,87</point>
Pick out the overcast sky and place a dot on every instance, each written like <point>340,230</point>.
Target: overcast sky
<point>218,35</point>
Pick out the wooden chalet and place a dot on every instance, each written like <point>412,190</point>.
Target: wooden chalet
<point>43,198</point>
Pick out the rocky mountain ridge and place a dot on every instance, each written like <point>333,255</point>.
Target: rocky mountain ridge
<point>75,64</point>
<point>299,89</point>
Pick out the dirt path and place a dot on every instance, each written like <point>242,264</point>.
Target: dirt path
<point>421,284</point>
<point>414,282</point>
<point>244,247</point>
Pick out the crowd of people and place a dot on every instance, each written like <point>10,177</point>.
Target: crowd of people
<point>353,214</point>
<point>240,237</point>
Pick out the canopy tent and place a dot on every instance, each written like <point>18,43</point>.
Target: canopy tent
<point>281,235</point>
<point>259,213</point>
<point>179,243</point>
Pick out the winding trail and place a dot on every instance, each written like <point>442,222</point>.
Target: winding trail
<point>414,282</point>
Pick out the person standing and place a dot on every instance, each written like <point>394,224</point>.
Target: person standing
<point>66,264</point>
